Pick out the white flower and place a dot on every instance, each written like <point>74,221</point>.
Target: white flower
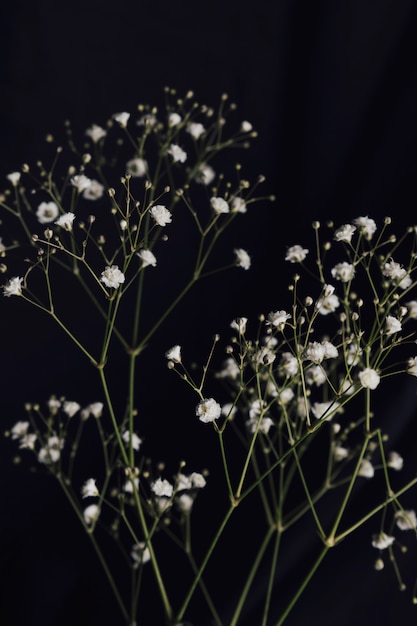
<point>20,429</point>
<point>264,356</point>
<point>412,308</point>
<point>95,409</point>
<point>246,127</point>
<point>80,182</point>
<point>239,324</point>
<point>278,319</point>
<point>174,119</point>
<point>149,120</point>
<point>392,325</point>
<point>208,410</point>
<point>13,287</point>
<point>121,118</point>
<point>286,395</point>
<point>330,351</point>
<point>112,277</point>
<point>65,221</point>
<point>205,174</point>
<point>366,226</point>
<point>136,441</point>
<point>177,153</point>
<point>51,453</point>
<point>162,487</point>
<point>128,486</point>
<point>184,502</point>
<point>161,215</point>
<point>325,410</point>
<point>195,129</point>
<point>242,258</point>
<point>343,271</point>
<point>238,205</point>
<point>369,378</point>
<point>230,369</point>
<point>393,270</point>
<point>137,167</point>
<point>345,233</point>
<point>296,254</point>
<point>89,489</point>
<point>147,257</point>
<point>366,469</point>
<point>174,354</point>
<point>288,364</point>
<point>315,375</point>
<point>328,302</point>
<point>71,408</point>
<point>47,212</point>
<point>340,453</point>
<point>140,554</point>
<point>95,133</point>
<point>395,461</point>
<point>219,205</point>
<point>381,541</point>
<point>197,480</point>
<point>28,441</point>
<point>94,191</point>
<point>315,352</point>
<point>406,520</point>
<point>91,514</point>
<point>412,366</point>
<point>14,178</point>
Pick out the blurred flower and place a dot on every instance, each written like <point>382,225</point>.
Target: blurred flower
<point>242,258</point>
<point>147,257</point>
<point>366,226</point>
<point>95,133</point>
<point>219,205</point>
<point>345,233</point>
<point>177,153</point>
<point>121,118</point>
<point>47,212</point>
<point>381,541</point>
<point>136,167</point>
<point>162,487</point>
<point>91,514</point>
<point>296,254</point>
<point>13,287</point>
<point>89,489</point>
<point>65,221</point>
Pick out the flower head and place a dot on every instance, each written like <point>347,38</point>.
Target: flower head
<point>121,118</point>
<point>13,287</point>
<point>89,489</point>
<point>174,354</point>
<point>14,178</point>
<point>345,233</point>
<point>94,191</point>
<point>219,205</point>
<point>369,378</point>
<point>242,258</point>
<point>95,133</point>
<point>162,487</point>
<point>406,520</point>
<point>47,212</point>
<point>147,257</point>
<point>296,254</point>
<point>392,325</point>
<point>65,221</point>
<point>71,408</point>
<point>174,119</point>
<point>136,167</point>
<point>177,153</point>
<point>91,514</point>
<point>161,215</point>
<point>205,174</point>
<point>238,205</point>
<point>112,277</point>
<point>195,129</point>
<point>343,272</point>
<point>366,226</point>
<point>80,182</point>
<point>140,554</point>
<point>136,441</point>
<point>381,541</point>
<point>208,410</point>
<point>278,319</point>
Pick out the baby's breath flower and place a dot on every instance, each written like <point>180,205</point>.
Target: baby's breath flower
<point>89,489</point>
<point>366,469</point>
<point>325,410</point>
<point>406,520</point>
<point>94,191</point>
<point>392,325</point>
<point>112,277</point>
<point>315,375</point>
<point>381,541</point>
<point>136,441</point>
<point>121,118</point>
<point>197,480</point>
<point>412,366</point>
<point>14,178</point>
<point>412,308</point>
<point>20,429</point>
<point>296,254</point>
<point>366,226</point>
<point>238,205</point>
<point>340,453</point>
<point>195,129</point>
<point>81,182</point>
<point>329,302</point>
<point>395,461</point>
<point>230,369</point>
<point>239,324</point>
<point>177,153</point>
<point>51,452</point>
<point>242,258</point>
<point>95,133</point>
<point>136,167</point>
<point>140,554</point>
<point>344,233</point>
<point>278,319</point>
<point>288,364</point>
<point>174,354</point>
<point>147,257</point>
<point>71,408</point>
<point>161,215</point>
<point>162,487</point>
<point>369,378</point>
<point>174,119</point>
<point>205,174</point>
<point>91,514</point>
<point>184,502</point>
<point>246,127</point>
<point>13,287</point>
<point>95,409</point>
<point>219,205</point>
<point>343,272</point>
<point>65,221</point>
<point>208,410</point>
<point>47,212</point>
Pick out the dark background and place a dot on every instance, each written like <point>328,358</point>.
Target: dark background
<point>331,88</point>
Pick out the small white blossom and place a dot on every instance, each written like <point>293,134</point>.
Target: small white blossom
<point>238,205</point>
<point>315,375</point>
<point>325,410</point>
<point>412,308</point>
<point>20,429</point>
<point>369,378</point>
<point>195,129</point>
<point>392,325</point>
<point>65,221</point>
<point>136,167</point>
<point>246,127</point>
<point>140,554</point>
<point>51,453</point>
<point>243,259</point>
<point>174,354</point>
<point>219,205</point>
<point>343,272</point>
<point>328,302</point>
<point>128,486</point>
<point>112,277</point>
<point>95,133</point>
<point>406,520</point>
<point>208,410</point>
<point>95,409</point>
<point>89,489</point>
<point>162,487</point>
<point>395,461</point>
<point>296,254</point>
<point>230,369</point>
<point>366,226</point>
<point>184,502</point>
<point>149,120</point>
<point>239,324</point>
<point>161,215</point>
<point>174,119</point>
<point>177,153</point>
<point>340,453</point>
<point>381,541</point>
<point>71,408</point>
<point>136,441</point>
<point>288,364</point>
<point>121,118</point>
<point>265,356</point>
<point>81,182</point>
<point>205,174</point>
<point>345,233</point>
<point>14,178</point>
<point>197,480</point>
<point>366,469</point>
<point>330,350</point>
<point>94,191</point>
<point>91,514</point>
<point>147,257</point>
<point>412,366</point>
<point>13,287</point>
<point>28,441</point>
<point>286,395</point>
<point>278,319</point>
<point>47,212</point>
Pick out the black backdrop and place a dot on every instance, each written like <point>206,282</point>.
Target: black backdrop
<point>331,88</point>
